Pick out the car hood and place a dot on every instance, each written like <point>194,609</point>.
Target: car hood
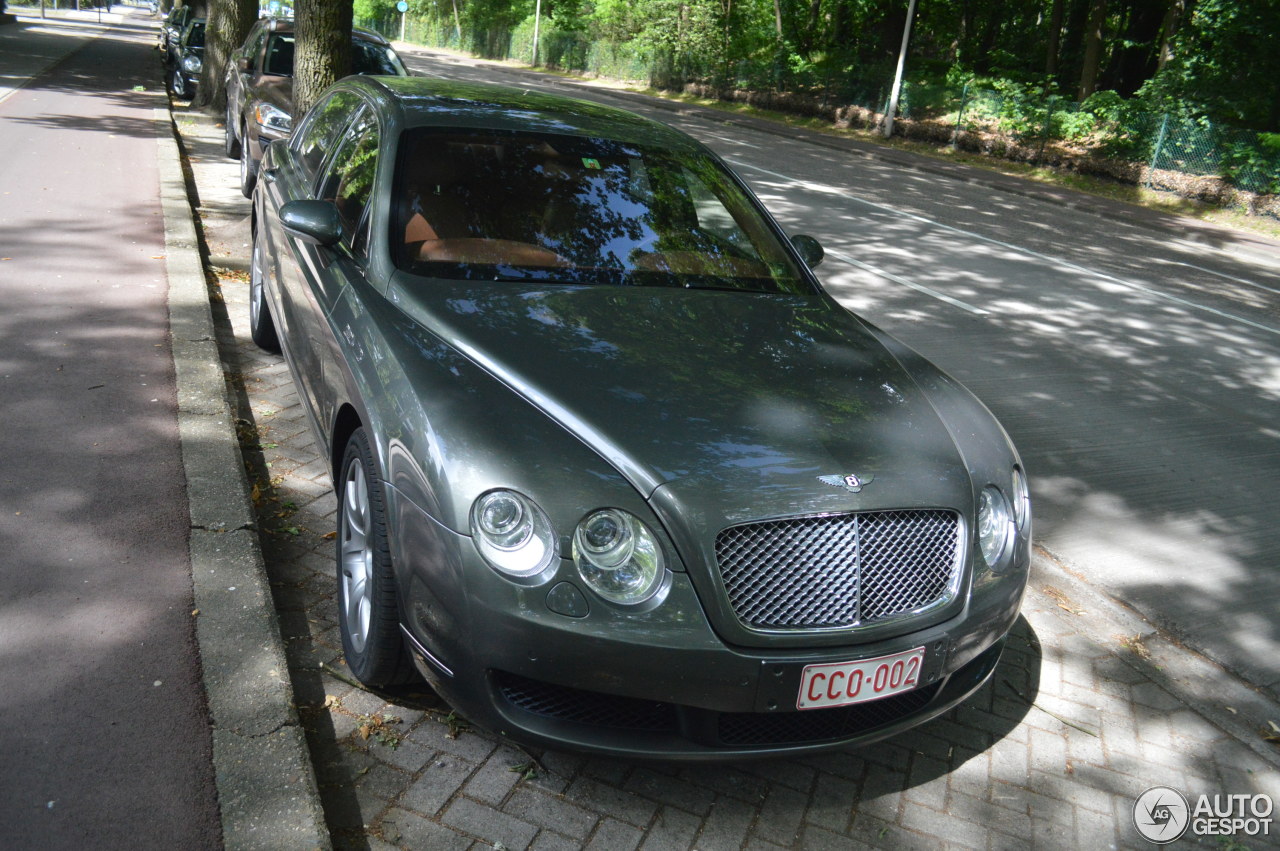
<point>277,91</point>
<point>714,405</point>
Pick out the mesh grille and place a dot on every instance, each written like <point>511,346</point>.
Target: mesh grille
<point>838,571</point>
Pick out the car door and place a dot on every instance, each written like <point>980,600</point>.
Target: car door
<point>310,285</point>
<point>238,78</point>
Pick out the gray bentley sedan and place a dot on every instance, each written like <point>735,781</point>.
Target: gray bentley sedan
<point>614,472</point>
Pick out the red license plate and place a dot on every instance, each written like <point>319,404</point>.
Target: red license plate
<point>844,683</point>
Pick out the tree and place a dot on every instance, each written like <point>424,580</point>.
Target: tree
<point>1093,45</point>
<point>229,22</point>
<point>322,50</point>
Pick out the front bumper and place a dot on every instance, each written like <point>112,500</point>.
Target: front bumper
<point>661,683</point>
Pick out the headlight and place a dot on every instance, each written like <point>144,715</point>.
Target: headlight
<point>995,527</point>
<point>512,533</point>
<point>1021,500</point>
<point>617,556</point>
<point>273,117</point>
<point>192,64</point>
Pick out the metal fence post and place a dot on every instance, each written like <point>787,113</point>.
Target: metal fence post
<point>1048,127</point>
<point>964,101</point>
<point>1164,129</point>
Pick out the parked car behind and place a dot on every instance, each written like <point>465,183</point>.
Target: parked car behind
<point>173,25</point>
<point>259,81</point>
<point>185,59</point>
<point>613,471</point>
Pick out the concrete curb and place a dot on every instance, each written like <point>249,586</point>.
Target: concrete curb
<point>266,784</point>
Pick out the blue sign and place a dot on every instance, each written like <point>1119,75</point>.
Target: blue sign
<point>402,7</point>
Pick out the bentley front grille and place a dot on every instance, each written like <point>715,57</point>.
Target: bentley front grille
<point>842,570</point>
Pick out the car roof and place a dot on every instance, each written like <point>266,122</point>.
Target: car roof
<point>429,101</point>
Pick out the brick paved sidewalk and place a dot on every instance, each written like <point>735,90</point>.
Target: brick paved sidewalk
<point>1084,712</point>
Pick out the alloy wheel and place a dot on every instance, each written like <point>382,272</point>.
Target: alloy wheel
<point>356,555</point>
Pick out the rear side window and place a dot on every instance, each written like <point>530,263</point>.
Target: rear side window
<point>322,128</point>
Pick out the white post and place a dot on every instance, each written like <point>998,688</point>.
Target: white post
<point>402,14</point>
<point>897,77</point>
<point>537,15</point>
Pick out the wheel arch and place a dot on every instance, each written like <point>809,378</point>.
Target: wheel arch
<point>344,425</point>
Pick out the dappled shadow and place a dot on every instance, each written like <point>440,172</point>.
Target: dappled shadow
<point>143,128</point>
<point>1139,378</point>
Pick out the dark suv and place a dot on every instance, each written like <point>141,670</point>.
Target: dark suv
<point>184,60</point>
<point>260,87</point>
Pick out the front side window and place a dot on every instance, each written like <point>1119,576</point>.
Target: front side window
<point>279,60</point>
<point>493,205</point>
<point>253,46</point>
<point>323,127</point>
<point>348,180</point>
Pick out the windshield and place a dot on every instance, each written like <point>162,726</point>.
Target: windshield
<point>367,57</point>
<point>492,205</point>
<point>195,35</point>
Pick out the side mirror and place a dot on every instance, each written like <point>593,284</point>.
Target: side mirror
<point>315,222</point>
<point>810,249</point>
<point>242,64</point>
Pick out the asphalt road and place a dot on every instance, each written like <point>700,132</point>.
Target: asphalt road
<point>106,740</point>
<point>1137,371</point>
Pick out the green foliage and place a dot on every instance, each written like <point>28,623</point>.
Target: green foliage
<point>372,10</point>
<point>978,63</point>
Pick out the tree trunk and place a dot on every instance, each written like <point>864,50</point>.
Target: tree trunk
<point>322,52</point>
<point>1055,38</point>
<point>1168,29</point>
<point>777,17</point>
<point>1135,57</point>
<point>1092,48</point>
<point>229,21</point>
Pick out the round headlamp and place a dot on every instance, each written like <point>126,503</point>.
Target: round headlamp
<point>617,556</point>
<point>512,533</point>
<point>995,526</point>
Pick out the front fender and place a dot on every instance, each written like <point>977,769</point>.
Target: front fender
<point>445,431</point>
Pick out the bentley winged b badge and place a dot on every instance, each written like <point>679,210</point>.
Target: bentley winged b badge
<point>852,483</point>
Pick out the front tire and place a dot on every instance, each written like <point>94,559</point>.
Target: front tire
<point>262,328</point>
<point>368,613</point>
<point>248,172</point>
<point>230,141</point>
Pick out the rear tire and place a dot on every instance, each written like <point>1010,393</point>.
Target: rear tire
<point>368,612</point>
